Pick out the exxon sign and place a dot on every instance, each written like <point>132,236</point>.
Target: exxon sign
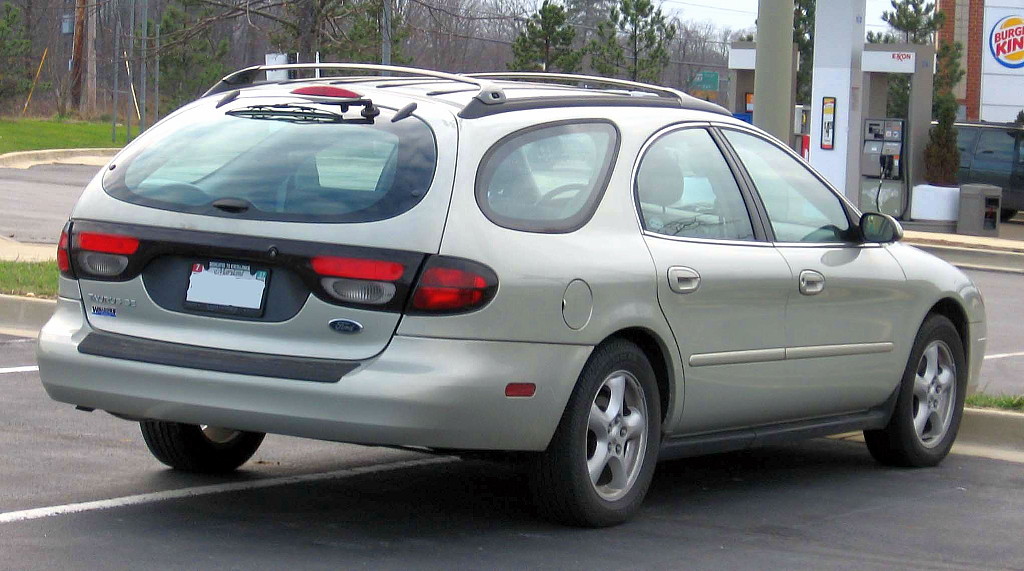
<point>1006,41</point>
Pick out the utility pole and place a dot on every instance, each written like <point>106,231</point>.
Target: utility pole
<point>115,69</point>
<point>142,66</point>
<point>76,52</point>
<point>156,78</point>
<point>90,59</point>
<point>385,36</point>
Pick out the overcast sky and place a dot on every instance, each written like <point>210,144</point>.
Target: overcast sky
<point>740,14</point>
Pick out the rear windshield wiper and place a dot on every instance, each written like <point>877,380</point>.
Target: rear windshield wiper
<point>293,113</point>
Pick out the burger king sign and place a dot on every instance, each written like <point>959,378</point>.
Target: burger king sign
<point>1006,41</point>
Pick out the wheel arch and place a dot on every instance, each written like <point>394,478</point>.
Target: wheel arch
<point>952,309</point>
<point>658,354</point>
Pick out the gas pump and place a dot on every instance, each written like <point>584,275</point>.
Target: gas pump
<point>883,167</point>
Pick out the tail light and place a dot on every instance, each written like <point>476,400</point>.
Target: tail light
<point>63,254</point>
<point>358,280</point>
<point>103,255</point>
<point>452,285</point>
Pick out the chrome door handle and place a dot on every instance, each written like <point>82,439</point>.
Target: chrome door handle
<point>683,280</point>
<point>811,282</point>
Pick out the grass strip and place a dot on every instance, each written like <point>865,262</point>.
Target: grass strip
<point>38,279</point>
<point>1005,402</point>
<point>38,134</point>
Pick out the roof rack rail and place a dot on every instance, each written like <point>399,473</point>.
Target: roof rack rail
<point>543,75</point>
<point>488,94</point>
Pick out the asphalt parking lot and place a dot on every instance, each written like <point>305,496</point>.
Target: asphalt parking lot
<point>823,504</point>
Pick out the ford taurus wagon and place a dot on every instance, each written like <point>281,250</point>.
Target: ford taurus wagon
<point>583,279</point>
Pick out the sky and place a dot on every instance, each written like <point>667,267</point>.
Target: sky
<point>740,14</point>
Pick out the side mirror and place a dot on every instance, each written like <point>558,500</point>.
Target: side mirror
<point>880,228</point>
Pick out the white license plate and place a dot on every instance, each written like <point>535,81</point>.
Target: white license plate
<point>225,285</point>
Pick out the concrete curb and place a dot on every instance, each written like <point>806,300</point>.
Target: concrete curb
<point>991,433</point>
<point>26,159</point>
<point>24,316</point>
<point>987,433</point>
<point>975,258</point>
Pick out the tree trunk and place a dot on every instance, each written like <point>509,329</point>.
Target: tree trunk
<point>77,50</point>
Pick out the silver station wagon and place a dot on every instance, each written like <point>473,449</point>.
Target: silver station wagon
<point>583,280</point>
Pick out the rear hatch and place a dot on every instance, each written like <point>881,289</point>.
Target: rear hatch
<point>267,222</point>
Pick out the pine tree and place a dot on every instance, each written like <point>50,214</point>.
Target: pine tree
<point>633,40</point>
<point>14,47</point>
<point>547,42</point>
<point>941,156</point>
<point>803,37</point>
<point>189,66</point>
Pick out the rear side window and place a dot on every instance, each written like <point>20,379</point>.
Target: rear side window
<point>548,178</point>
<point>997,146</point>
<point>685,188</point>
<point>310,167</point>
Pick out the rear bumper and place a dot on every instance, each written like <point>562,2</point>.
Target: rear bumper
<point>441,393</point>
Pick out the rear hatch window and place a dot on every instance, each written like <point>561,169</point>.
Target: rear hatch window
<point>279,159</point>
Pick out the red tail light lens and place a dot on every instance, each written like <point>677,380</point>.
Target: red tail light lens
<point>450,285</point>
<point>63,257</point>
<point>357,268</point>
<point>106,243</point>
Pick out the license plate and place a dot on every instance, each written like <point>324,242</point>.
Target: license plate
<point>227,287</point>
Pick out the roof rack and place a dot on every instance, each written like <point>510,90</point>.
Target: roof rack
<point>543,75</point>
<point>488,94</point>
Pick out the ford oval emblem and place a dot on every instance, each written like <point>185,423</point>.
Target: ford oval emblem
<point>345,326</point>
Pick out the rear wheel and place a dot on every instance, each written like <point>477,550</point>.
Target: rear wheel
<point>1006,214</point>
<point>201,448</point>
<point>931,400</point>
<point>600,462</point>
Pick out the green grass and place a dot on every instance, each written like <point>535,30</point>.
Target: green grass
<point>23,278</point>
<point>1002,401</point>
<point>36,134</point>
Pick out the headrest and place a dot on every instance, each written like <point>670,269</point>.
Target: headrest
<point>660,180</point>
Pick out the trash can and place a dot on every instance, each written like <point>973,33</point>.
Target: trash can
<point>979,210</point>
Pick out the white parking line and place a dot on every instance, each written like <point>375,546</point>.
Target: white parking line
<point>37,513</point>
<point>25,369</point>
<point>1004,355</point>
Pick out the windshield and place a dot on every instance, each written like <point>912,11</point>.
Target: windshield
<point>304,163</point>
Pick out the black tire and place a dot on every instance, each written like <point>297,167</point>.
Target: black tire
<point>560,483</point>
<point>186,447</point>
<point>1006,214</point>
<point>899,443</point>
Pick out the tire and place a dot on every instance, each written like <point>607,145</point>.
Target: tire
<point>203,449</point>
<point>624,451</point>
<point>1006,214</point>
<point>932,392</point>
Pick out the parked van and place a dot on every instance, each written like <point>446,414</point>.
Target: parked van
<point>992,153</point>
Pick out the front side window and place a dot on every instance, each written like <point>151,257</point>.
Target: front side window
<point>800,207</point>
<point>685,188</point>
<point>290,163</point>
<point>548,178</point>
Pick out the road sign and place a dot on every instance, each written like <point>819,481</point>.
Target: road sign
<point>705,81</point>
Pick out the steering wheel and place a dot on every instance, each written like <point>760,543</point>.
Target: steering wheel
<point>557,191</point>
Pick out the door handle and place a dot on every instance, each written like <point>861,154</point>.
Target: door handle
<point>683,280</point>
<point>811,282</point>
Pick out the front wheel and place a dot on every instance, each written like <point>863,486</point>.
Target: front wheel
<point>600,461</point>
<point>931,400</point>
<point>201,448</point>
